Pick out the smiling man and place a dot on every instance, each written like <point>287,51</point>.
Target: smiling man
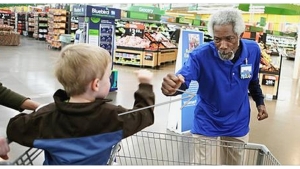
<point>225,69</point>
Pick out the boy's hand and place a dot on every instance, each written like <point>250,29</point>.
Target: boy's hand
<point>4,148</point>
<point>144,76</point>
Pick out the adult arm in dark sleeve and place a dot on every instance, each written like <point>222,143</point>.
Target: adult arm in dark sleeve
<point>137,121</point>
<point>256,92</point>
<point>13,100</point>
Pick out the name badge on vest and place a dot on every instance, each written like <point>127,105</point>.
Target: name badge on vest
<point>246,71</point>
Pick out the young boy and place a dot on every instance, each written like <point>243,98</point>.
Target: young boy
<point>81,127</point>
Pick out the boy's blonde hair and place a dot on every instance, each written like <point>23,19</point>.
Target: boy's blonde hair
<point>79,64</point>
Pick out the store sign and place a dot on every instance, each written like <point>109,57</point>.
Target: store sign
<point>5,15</point>
<point>268,80</point>
<point>262,21</point>
<point>79,10</point>
<point>137,15</point>
<point>147,9</point>
<point>185,20</point>
<point>96,11</point>
<point>148,56</point>
<point>134,30</point>
<point>151,16</point>
<point>181,115</point>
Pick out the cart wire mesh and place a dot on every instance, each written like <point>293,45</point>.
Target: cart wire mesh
<point>151,148</point>
<point>27,158</point>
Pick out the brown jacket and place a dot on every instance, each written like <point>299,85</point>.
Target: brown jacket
<point>65,129</point>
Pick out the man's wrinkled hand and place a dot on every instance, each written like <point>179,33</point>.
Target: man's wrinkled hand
<point>262,112</point>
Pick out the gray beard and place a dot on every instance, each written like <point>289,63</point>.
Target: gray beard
<point>226,57</point>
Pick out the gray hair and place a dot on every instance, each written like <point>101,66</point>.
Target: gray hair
<point>224,17</point>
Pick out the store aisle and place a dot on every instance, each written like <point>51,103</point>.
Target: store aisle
<point>28,69</point>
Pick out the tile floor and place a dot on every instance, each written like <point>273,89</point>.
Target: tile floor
<point>28,69</point>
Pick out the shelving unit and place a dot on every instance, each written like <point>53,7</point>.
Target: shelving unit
<point>21,22</point>
<point>42,26</point>
<point>4,17</point>
<point>282,41</point>
<point>68,23</point>
<point>57,26</point>
<point>36,25</point>
<point>129,56</point>
<point>30,24</point>
<point>12,21</point>
<point>269,77</point>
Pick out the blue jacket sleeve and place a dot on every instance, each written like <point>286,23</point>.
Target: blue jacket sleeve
<point>191,68</point>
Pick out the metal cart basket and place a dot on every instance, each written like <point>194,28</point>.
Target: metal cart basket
<point>152,148</point>
<point>27,158</point>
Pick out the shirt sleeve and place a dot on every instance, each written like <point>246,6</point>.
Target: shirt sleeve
<point>256,93</point>
<point>11,99</point>
<point>138,120</point>
<point>23,125</point>
<point>191,68</point>
<point>254,86</point>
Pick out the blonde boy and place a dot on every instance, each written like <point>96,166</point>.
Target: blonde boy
<point>81,126</point>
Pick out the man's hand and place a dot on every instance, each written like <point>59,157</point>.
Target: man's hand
<point>4,148</point>
<point>262,112</point>
<point>171,83</point>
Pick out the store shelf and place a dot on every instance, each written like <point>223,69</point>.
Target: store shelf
<point>57,25</point>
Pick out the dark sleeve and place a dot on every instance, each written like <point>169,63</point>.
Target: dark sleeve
<point>256,92</point>
<point>11,99</point>
<point>23,129</point>
<point>137,121</point>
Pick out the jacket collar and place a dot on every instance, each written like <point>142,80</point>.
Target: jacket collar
<point>61,100</point>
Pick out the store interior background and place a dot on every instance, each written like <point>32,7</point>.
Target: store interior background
<point>32,75</point>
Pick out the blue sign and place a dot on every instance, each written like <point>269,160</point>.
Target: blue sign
<point>79,10</point>
<point>97,11</point>
<point>181,116</point>
<point>190,40</point>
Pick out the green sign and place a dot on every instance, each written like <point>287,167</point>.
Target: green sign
<point>262,21</point>
<point>146,9</point>
<point>137,15</point>
<point>94,32</point>
<point>256,29</point>
<point>196,22</point>
<point>277,9</point>
<point>185,20</point>
<point>95,19</point>
<point>143,16</point>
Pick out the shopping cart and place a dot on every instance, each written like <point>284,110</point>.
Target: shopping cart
<point>27,158</point>
<point>152,148</point>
